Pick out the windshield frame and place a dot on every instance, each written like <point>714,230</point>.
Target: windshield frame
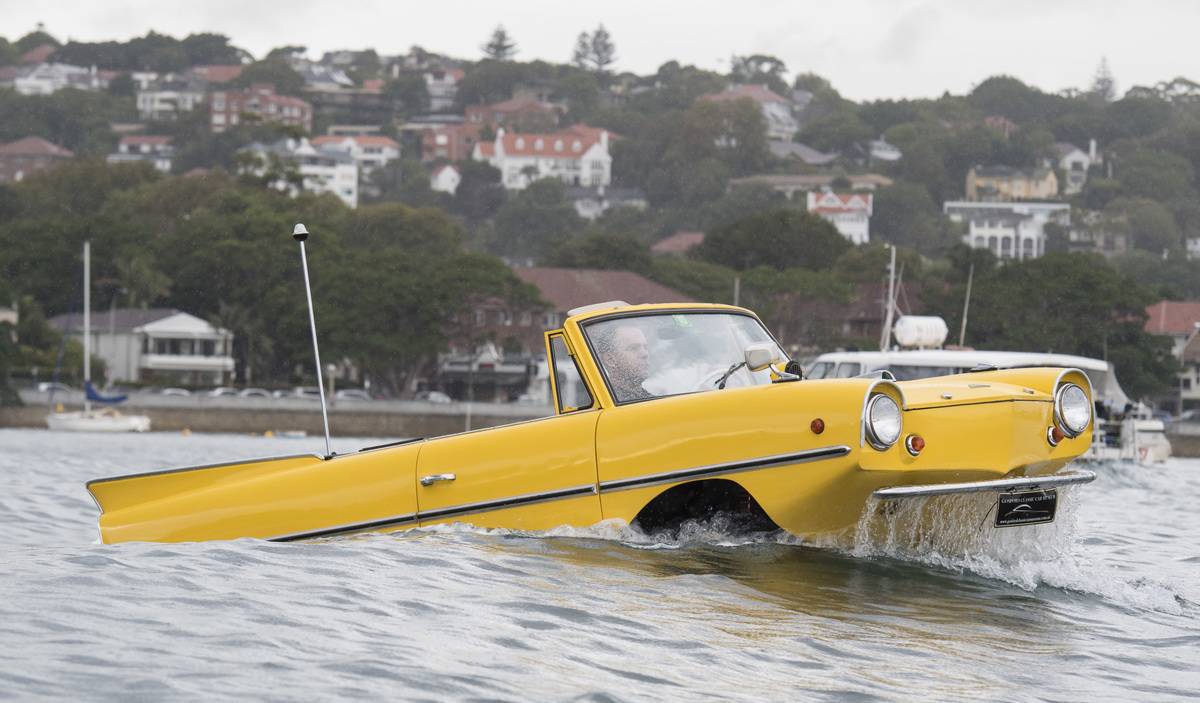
<point>608,388</point>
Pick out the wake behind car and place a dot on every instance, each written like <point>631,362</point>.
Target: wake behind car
<point>662,413</point>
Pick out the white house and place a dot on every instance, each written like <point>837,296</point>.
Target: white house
<point>49,78</point>
<point>157,344</point>
<point>442,85</point>
<point>323,171</point>
<point>577,156</point>
<point>592,202</point>
<point>776,109</point>
<point>138,147</point>
<point>165,100</point>
<point>445,179</point>
<point>368,151</point>
<point>1011,230</point>
<point>881,150</point>
<point>850,213</point>
<point>1074,162</point>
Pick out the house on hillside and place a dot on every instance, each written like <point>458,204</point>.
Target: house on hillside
<point>1010,230</point>
<point>802,153</point>
<point>850,213</point>
<point>791,184</point>
<point>1074,163</point>
<point>577,156</point>
<point>445,179</point>
<point>452,142</point>
<point>776,109</point>
<point>134,148</point>
<point>49,78</point>
<point>27,156</point>
<point>325,170</point>
<point>166,99</point>
<point>517,115</point>
<point>442,85</point>
<point>258,103</point>
<point>369,152</point>
<point>1180,320</point>
<point>593,201</point>
<point>1005,183</point>
<point>158,345</point>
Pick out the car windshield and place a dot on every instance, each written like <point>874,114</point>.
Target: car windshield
<point>656,355</point>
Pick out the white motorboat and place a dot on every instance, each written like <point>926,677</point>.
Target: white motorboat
<point>102,420</point>
<point>89,420</point>
<point>1124,430</point>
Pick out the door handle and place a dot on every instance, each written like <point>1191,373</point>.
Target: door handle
<point>434,478</point>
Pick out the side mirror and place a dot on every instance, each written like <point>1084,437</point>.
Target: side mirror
<point>761,355</point>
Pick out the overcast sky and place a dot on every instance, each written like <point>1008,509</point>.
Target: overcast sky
<point>869,49</point>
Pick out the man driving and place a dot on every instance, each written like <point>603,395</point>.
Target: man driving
<point>626,358</point>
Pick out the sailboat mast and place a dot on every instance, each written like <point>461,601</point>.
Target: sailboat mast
<point>886,336</point>
<point>87,322</point>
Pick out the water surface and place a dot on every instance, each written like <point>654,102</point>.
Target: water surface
<point>1104,604</point>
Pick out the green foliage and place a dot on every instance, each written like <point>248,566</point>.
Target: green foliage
<point>35,39</point>
<point>759,69</point>
<point>1149,223</point>
<point>596,51</point>
<point>600,250</point>
<point>1156,174</point>
<point>905,215</point>
<point>8,53</point>
<point>275,71</point>
<point>500,46</point>
<point>1071,304</point>
<point>479,194</point>
<point>780,239</point>
<point>153,52</point>
<point>409,92</point>
<point>530,224</point>
<point>75,119</point>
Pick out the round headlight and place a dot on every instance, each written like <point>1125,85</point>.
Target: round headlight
<point>1072,409</point>
<point>883,422</point>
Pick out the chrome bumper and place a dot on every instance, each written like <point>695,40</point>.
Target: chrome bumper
<point>998,485</point>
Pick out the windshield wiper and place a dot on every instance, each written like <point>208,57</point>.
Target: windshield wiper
<point>720,384</point>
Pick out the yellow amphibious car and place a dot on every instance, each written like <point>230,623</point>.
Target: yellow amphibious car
<point>662,413</point>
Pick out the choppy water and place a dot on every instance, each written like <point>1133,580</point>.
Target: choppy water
<point>1102,605</point>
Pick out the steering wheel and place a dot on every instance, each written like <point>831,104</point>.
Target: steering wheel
<point>708,382</point>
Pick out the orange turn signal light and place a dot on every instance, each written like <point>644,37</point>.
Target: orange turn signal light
<point>817,426</point>
<point>914,443</point>
<point>1054,436</point>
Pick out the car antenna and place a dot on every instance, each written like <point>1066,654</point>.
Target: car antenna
<point>300,233</point>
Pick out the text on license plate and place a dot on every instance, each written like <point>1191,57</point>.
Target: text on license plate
<point>1026,508</point>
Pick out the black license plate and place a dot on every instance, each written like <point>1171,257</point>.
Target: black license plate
<point>1026,508</point>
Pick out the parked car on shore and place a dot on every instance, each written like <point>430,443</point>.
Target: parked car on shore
<point>180,392</point>
<point>223,392</point>
<point>254,393</point>
<point>352,394</point>
<point>433,397</point>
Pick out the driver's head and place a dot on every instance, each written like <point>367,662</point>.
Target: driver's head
<point>626,354</point>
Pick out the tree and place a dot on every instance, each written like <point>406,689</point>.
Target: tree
<point>759,69</point>
<point>1148,222</point>
<point>275,71</point>
<point>600,250</point>
<point>479,194</point>
<point>604,51</point>
<point>1156,174</point>
<point>583,50</point>
<point>905,215</point>
<point>1104,88</point>
<point>780,239</point>
<point>410,91</point>
<point>500,46</point>
<point>531,224</point>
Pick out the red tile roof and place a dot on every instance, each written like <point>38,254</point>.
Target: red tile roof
<point>565,288</point>
<point>678,243</point>
<point>834,203</point>
<point>374,85</point>
<point>38,54</point>
<point>1173,317</point>
<point>757,93</point>
<point>362,140</point>
<point>34,146</point>
<point>217,73</point>
<point>570,143</point>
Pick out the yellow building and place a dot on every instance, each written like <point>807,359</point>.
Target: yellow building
<point>1008,183</point>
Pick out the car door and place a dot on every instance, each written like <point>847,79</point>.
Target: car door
<point>533,475</point>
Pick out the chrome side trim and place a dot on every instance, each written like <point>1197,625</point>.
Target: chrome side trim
<point>224,464</point>
<point>998,485</point>
<point>511,502</point>
<point>766,462</point>
<point>349,527</point>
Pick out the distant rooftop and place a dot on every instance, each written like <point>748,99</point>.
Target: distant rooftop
<point>566,289</point>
